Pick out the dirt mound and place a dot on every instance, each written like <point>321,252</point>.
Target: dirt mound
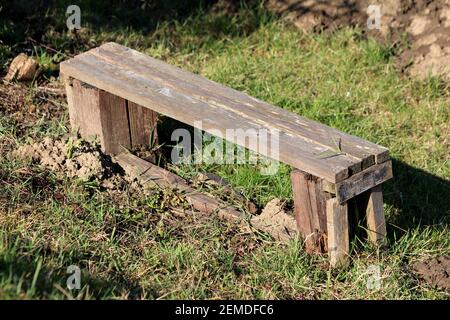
<point>274,220</point>
<point>75,159</point>
<point>80,159</point>
<point>315,15</point>
<point>435,272</point>
<point>428,27</point>
<point>426,23</point>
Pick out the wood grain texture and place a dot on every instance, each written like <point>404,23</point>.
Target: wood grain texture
<point>295,151</point>
<point>189,98</point>
<point>84,111</point>
<point>238,100</point>
<point>142,125</point>
<point>68,84</point>
<point>115,131</point>
<point>372,205</point>
<point>338,234</point>
<point>363,181</point>
<point>96,113</point>
<point>310,210</point>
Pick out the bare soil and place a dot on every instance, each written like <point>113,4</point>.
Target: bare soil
<point>426,24</point>
<point>275,220</point>
<point>83,160</point>
<point>74,159</point>
<point>26,105</point>
<point>435,272</point>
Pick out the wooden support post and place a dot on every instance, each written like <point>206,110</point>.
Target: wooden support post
<point>95,112</point>
<point>142,125</point>
<point>371,203</point>
<point>337,229</point>
<point>310,210</point>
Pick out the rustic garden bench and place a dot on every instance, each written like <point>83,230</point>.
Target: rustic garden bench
<point>115,94</point>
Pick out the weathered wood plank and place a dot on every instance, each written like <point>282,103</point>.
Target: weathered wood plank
<point>83,102</point>
<point>271,117</point>
<point>115,133</point>
<point>151,174</point>
<point>310,210</point>
<point>372,204</point>
<point>96,113</point>
<point>142,125</point>
<point>363,181</point>
<point>240,102</point>
<point>296,151</point>
<point>338,237</point>
<point>68,84</point>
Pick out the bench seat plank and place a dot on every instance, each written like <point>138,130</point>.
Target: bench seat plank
<point>277,117</point>
<point>184,96</point>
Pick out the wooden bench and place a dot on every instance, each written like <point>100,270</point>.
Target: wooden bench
<point>115,94</point>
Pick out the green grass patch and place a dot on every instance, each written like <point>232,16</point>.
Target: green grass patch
<point>133,246</point>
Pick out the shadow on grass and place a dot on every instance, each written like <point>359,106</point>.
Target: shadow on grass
<point>26,276</point>
<point>415,200</point>
<point>419,199</point>
<point>32,18</point>
<point>45,21</point>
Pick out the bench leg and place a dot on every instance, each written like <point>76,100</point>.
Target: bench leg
<point>115,122</point>
<point>142,125</point>
<point>310,210</point>
<point>321,220</point>
<point>371,203</point>
<point>338,233</point>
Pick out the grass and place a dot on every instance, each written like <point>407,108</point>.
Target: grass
<point>131,246</point>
